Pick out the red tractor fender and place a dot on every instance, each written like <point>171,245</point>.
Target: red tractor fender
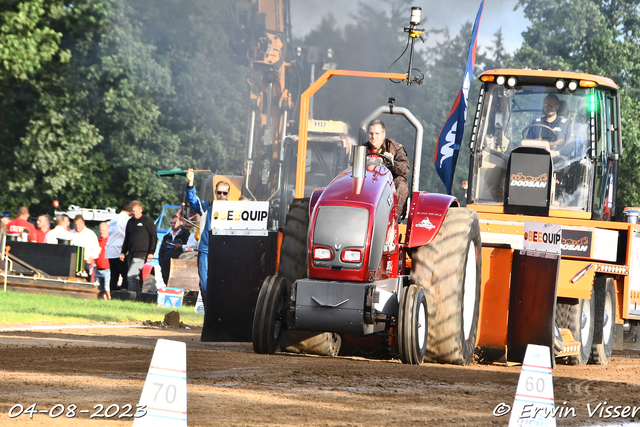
<point>314,199</point>
<point>426,215</point>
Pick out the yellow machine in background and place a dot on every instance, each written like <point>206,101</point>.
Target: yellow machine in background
<point>554,251</point>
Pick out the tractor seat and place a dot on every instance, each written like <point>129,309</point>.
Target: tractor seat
<point>563,109</point>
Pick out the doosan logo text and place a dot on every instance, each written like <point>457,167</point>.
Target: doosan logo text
<point>520,180</point>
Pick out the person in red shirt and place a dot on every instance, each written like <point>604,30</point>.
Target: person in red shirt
<point>43,228</point>
<point>21,224</point>
<point>103,270</point>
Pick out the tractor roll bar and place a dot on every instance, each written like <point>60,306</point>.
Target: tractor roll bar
<point>304,114</point>
<point>401,111</point>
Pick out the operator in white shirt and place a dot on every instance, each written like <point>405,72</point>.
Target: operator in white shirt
<point>59,232</point>
<point>87,239</point>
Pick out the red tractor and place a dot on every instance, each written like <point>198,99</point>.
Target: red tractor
<point>350,266</point>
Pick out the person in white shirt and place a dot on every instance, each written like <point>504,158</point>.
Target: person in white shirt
<point>59,232</point>
<point>88,240</point>
<point>117,228</point>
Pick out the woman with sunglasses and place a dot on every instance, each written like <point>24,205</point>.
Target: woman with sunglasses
<point>200,207</point>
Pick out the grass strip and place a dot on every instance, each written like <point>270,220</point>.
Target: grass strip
<point>20,307</point>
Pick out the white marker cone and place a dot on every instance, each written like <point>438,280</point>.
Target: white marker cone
<point>164,396</point>
<point>533,404</point>
<point>199,304</point>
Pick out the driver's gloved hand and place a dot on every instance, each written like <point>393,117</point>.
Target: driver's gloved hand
<point>389,156</point>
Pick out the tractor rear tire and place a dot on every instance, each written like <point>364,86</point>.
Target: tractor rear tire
<point>412,325</point>
<point>293,266</point>
<point>449,271</point>
<point>601,353</point>
<point>577,316</point>
<point>269,320</point>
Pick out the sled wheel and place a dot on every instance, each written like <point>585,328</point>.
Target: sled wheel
<point>449,271</point>
<point>412,325</point>
<point>577,316</point>
<point>601,352</point>
<point>269,318</point>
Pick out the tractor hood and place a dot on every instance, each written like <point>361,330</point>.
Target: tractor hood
<point>349,225</point>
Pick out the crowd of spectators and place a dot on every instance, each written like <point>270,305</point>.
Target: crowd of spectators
<point>115,258</point>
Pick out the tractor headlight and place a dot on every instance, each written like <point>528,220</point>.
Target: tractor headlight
<point>351,255</point>
<point>322,254</point>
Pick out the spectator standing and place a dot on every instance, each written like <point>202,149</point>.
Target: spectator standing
<point>117,228</point>
<point>20,225</point>
<point>43,228</point>
<point>221,193</point>
<point>103,268</point>
<point>67,221</point>
<point>87,239</point>
<point>59,232</point>
<point>171,246</point>
<point>139,244</point>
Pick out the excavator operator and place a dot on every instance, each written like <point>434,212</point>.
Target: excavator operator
<point>395,157</point>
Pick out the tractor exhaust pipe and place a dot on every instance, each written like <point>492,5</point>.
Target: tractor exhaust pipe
<point>359,167</point>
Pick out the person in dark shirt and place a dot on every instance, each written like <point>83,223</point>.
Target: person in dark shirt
<point>171,246</point>
<point>398,159</point>
<point>561,126</point>
<point>139,244</point>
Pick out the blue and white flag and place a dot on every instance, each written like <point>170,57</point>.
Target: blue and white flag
<point>450,136</point>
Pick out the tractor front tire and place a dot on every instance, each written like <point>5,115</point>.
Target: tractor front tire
<point>412,325</point>
<point>269,320</point>
<point>601,352</point>
<point>293,266</point>
<point>449,271</point>
<point>577,316</point>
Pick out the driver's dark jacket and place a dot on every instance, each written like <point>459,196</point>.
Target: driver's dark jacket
<point>561,126</point>
<point>400,168</point>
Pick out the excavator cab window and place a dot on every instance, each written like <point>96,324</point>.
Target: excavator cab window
<point>515,117</point>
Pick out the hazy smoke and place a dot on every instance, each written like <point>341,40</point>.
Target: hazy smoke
<point>306,14</point>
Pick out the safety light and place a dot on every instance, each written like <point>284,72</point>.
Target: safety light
<point>416,13</point>
<point>512,81</point>
<point>592,101</point>
<point>322,254</point>
<point>560,84</point>
<point>587,83</point>
<point>500,80</point>
<point>351,255</point>
<point>573,85</point>
<point>487,78</point>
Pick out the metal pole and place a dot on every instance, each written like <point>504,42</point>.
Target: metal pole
<point>313,79</point>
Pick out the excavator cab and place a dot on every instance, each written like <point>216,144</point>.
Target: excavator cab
<point>531,165</point>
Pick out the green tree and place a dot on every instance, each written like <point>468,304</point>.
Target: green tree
<point>136,87</point>
<point>27,40</point>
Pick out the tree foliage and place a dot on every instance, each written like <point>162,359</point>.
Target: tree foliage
<point>98,95</point>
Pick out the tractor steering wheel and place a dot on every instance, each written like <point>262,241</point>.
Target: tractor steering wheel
<point>385,160</point>
<point>555,136</point>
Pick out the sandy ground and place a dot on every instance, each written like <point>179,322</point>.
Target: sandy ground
<point>228,384</point>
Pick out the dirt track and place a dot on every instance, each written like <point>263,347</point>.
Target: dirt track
<point>230,385</point>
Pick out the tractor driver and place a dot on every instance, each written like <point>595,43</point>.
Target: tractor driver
<point>560,125</point>
<point>398,159</point>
